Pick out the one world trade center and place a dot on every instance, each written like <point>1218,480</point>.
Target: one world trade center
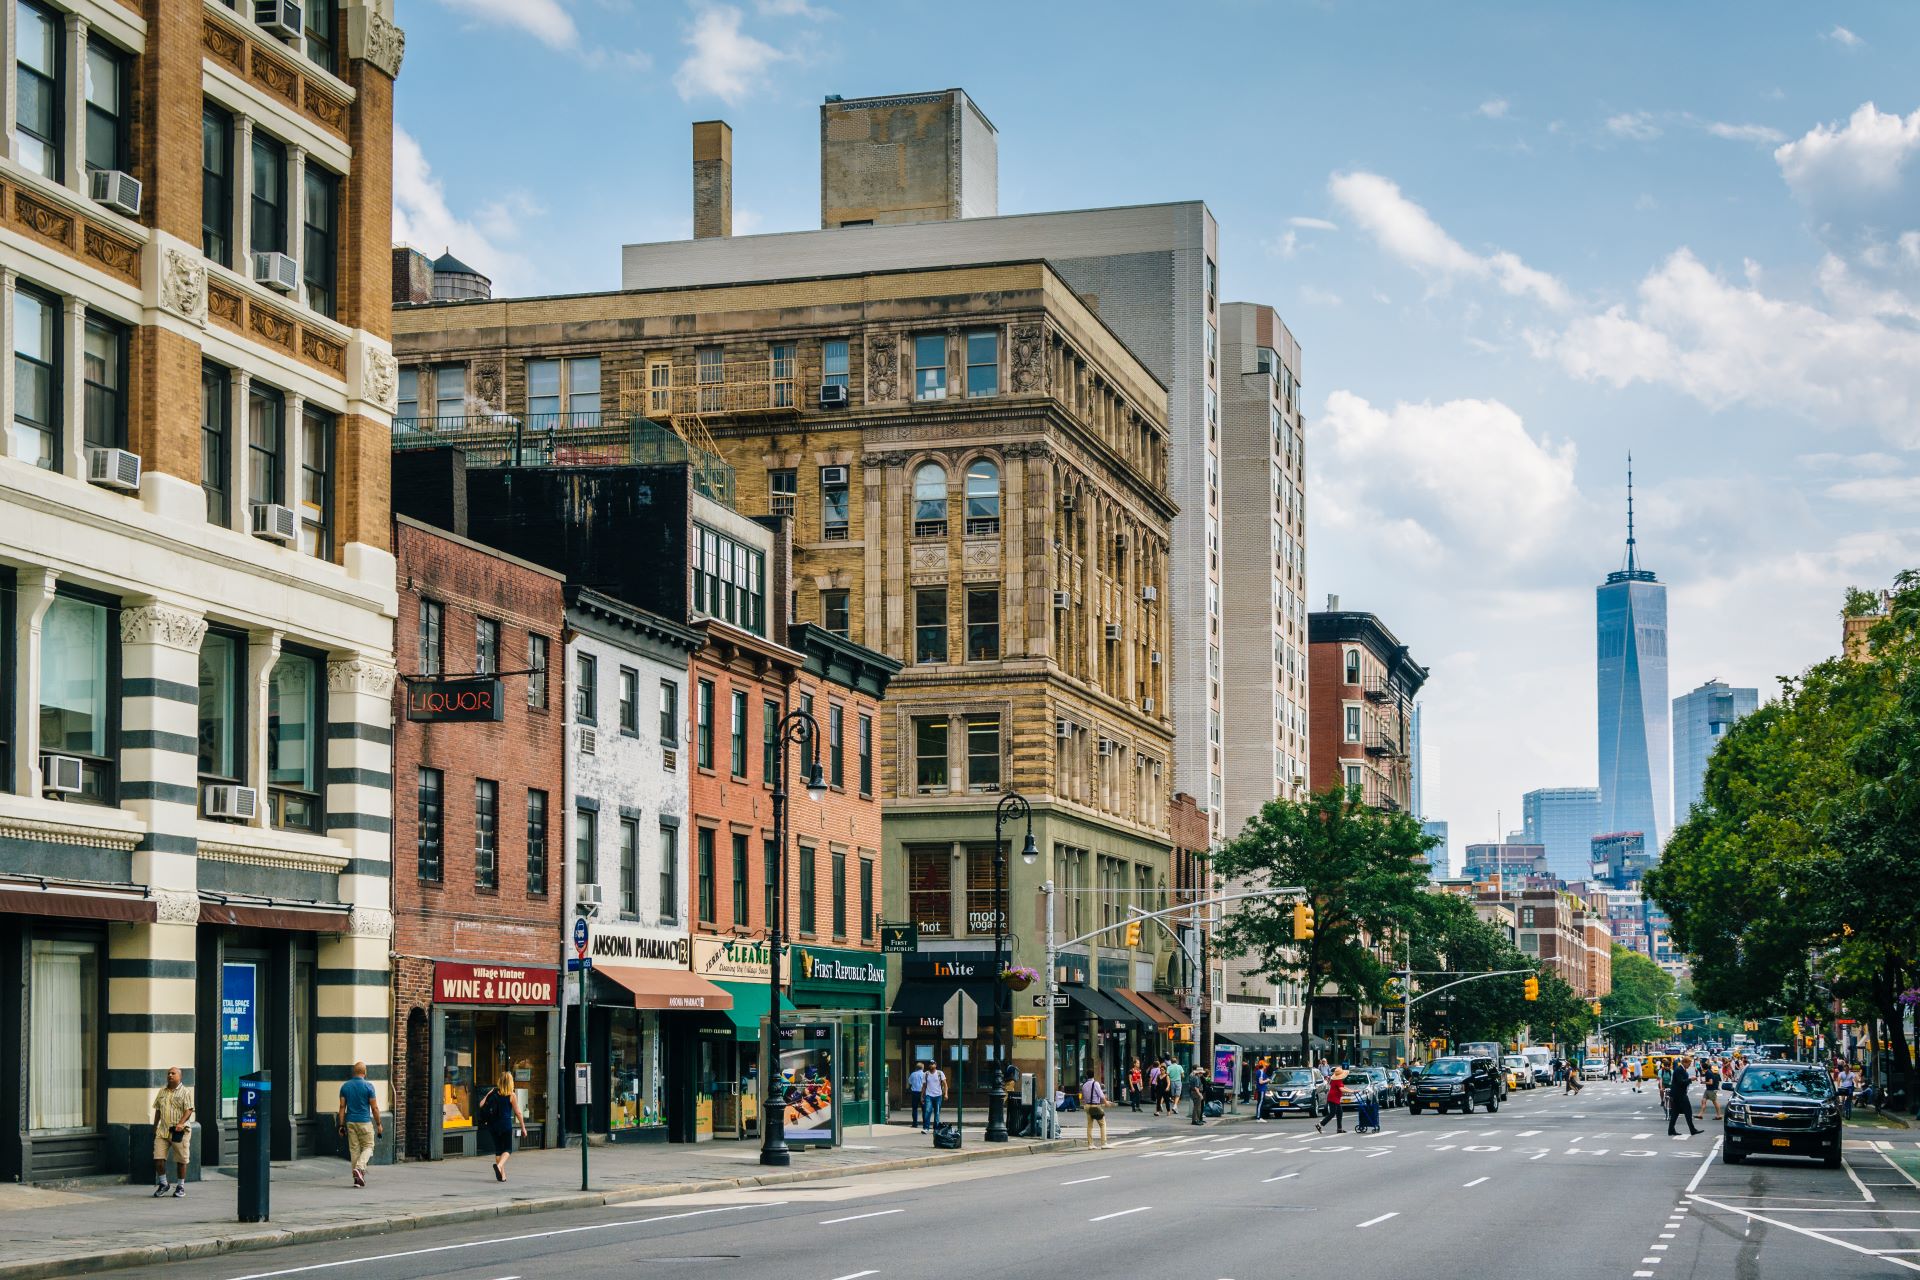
<point>1636,773</point>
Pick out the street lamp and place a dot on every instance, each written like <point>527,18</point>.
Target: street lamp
<point>801,728</point>
<point>1011,804</point>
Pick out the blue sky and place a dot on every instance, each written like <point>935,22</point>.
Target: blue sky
<point>1514,241</point>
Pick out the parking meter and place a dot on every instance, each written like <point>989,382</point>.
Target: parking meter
<point>255,1130</point>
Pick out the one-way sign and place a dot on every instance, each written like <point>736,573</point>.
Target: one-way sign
<point>1059,1002</point>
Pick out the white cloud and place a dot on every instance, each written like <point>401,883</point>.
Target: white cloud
<point>1636,125</point>
<point>1841,36</point>
<point>1407,232</point>
<point>1867,155</point>
<point>1455,482</point>
<point>725,61</point>
<point>422,218</point>
<point>1879,491</point>
<point>1645,201</point>
<point>792,9</point>
<point>1286,246</point>
<point>1745,132</point>
<point>1313,224</point>
<point>1319,297</point>
<point>1492,108</point>
<point>545,20</point>
<point>1853,361</point>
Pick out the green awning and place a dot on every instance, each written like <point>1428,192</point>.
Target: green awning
<point>749,1006</point>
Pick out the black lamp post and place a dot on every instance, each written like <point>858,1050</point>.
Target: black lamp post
<point>1011,804</point>
<point>795,727</point>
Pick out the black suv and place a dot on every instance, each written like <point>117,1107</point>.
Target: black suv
<point>1456,1082</point>
<point>1782,1109</point>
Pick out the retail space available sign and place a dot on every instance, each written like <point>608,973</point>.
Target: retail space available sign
<point>454,701</point>
<point>493,984</point>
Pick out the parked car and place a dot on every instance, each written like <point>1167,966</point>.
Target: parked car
<point>1519,1072</point>
<point>1295,1091</point>
<point>1593,1069</point>
<point>1456,1082</point>
<point>1782,1109</point>
<point>1387,1089</point>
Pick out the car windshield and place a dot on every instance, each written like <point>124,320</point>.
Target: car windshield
<point>1298,1076</point>
<point>1448,1067</point>
<point>1800,1080</point>
<point>1516,1061</point>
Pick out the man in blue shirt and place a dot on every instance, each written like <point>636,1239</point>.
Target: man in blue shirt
<point>359,1120</point>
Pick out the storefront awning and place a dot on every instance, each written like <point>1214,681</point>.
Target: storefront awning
<point>920,1004</point>
<point>1162,1007</point>
<point>273,915</point>
<point>670,989</point>
<point>1100,1004</point>
<point>1153,1015</point>
<point>749,1006</point>
<point>1269,1041</point>
<point>74,904</point>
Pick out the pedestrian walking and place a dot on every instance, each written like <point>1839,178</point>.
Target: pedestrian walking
<point>500,1114</point>
<point>935,1088</point>
<point>916,1093</point>
<point>1157,1085</point>
<point>1848,1083</point>
<point>1176,1085</point>
<point>1573,1081</point>
<point>1666,1077</point>
<point>172,1134</point>
<point>1675,1095</point>
<point>1197,1096</point>
<point>1093,1096</point>
<point>1709,1089</point>
<point>1260,1078</point>
<point>1135,1084</point>
<point>359,1121</point>
<point>1336,1103</point>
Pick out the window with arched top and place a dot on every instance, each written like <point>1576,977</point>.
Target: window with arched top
<point>983,497</point>
<point>930,501</point>
<point>1353,666</point>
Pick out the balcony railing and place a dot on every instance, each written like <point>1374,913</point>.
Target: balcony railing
<point>719,392</point>
<point>584,439</point>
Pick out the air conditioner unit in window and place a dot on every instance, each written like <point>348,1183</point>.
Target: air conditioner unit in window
<point>832,476</point>
<point>1113,631</point>
<point>273,522</point>
<point>118,191</point>
<point>60,774</point>
<point>281,17</point>
<point>1108,746</point>
<point>1149,594</point>
<point>276,271</point>
<point>114,468</point>
<point>1154,657</point>
<point>589,740</point>
<point>1062,600</point>
<point>1063,728</point>
<point>225,801</point>
<point>833,396</point>
<point>587,897</point>
<point>1146,704</point>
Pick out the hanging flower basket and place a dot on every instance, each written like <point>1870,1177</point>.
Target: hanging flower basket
<point>1019,977</point>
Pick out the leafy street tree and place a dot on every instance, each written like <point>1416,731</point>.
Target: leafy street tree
<point>1451,941</point>
<point>1362,870</point>
<point>1641,990</point>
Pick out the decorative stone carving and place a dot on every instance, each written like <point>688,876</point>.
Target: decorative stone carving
<point>322,350</point>
<point>361,675</point>
<point>173,907</point>
<point>883,368</point>
<point>327,109</point>
<point>163,625</point>
<point>370,922</point>
<point>111,252</point>
<point>271,325</point>
<point>183,285</point>
<point>221,43</point>
<point>981,554</point>
<point>486,383</point>
<point>275,76</point>
<point>42,218</point>
<point>873,462</point>
<point>930,558</point>
<point>68,832</point>
<point>383,379</point>
<point>222,304</point>
<point>1029,363</point>
<point>386,43</point>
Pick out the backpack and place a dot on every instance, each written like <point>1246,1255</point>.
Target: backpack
<point>489,1109</point>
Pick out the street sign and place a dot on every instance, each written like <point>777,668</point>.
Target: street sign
<point>960,1018</point>
<point>1059,1002</point>
<point>584,962</point>
<point>899,939</point>
<point>580,936</point>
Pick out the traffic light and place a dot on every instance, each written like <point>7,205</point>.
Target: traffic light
<point>1133,933</point>
<point>1533,988</point>
<point>1596,1008</point>
<point>1796,1028</point>
<point>1302,921</point>
<point>1027,1029</point>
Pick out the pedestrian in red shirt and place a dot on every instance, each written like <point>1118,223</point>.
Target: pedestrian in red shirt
<point>1336,1103</point>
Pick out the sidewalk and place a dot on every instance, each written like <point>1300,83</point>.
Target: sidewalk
<point>45,1232</point>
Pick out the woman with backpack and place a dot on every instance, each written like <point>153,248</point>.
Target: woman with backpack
<point>499,1114</point>
<point>1094,1098</point>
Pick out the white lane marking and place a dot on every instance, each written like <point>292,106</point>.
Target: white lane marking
<point>531,1235</point>
<point>1220,1155</point>
<point>1384,1151</point>
<point>1476,1182</point>
<point>1282,1178</point>
<point>1864,1193</point>
<point>1706,1162</point>
<point>1374,1222</point>
<point>1661,1248</point>
<point>855,1275</point>
<point>855,1217</point>
<point>1639,1274</point>
<point>1666,1235</point>
<point>1541,1156</point>
<point>1649,1262</point>
<point>1123,1213</point>
<point>1641,1137</point>
<point>1528,1133</point>
<point>1077,1181</point>
<point>1814,1235</point>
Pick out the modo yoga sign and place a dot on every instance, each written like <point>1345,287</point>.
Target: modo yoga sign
<point>454,700</point>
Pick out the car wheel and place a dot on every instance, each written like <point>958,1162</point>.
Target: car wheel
<point>1831,1159</point>
<point>1731,1154</point>
<point>1413,1108</point>
<point>1493,1104</point>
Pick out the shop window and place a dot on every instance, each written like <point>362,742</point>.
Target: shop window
<point>429,823</point>
<point>930,754</point>
<point>223,706</point>
<point>737,734</point>
<point>982,905</point>
<point>704,872</point>
<point>739,878</point>
<point>839,868</point>
<point>669,874</point>
<point>586,846</point>
<point>807,890</point>
<point>296,734</point>
<point>64,1055</point>
<point>629,702</point>
<point>79,691</point>
<point>836,747</point>
<point>930,624</point>
<point>930,890</point>
<point>629,868</point>
<point>866,754</point>
<point>635,1084</point>
<point>866,899</point>
<point>536,842</point>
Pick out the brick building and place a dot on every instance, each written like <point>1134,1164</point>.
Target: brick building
<point>1361,706</point>
<point>1564,931</point>
<point>479,912</point>
<point>196,582</point>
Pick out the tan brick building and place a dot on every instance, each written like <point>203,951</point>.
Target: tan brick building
<point>975,469</point>
<point>196,582</point>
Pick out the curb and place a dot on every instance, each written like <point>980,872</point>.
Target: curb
<point>277,1237</point>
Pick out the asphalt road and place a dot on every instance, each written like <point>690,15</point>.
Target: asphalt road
<point>1568,1187</point>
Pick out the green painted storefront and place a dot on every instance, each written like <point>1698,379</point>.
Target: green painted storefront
<point>852,986</point>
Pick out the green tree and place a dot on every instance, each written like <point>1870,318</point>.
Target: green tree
<point>1642,992</point>
<point>1451,941</point>
<point>1361,869</point>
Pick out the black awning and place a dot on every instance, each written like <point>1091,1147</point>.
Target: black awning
<point>922,1004</point>
<point>1101,1005</point>
<point>1268,1041</point>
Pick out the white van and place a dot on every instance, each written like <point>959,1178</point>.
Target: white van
<point>1540,1058</point>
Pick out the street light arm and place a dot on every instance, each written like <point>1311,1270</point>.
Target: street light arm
<point>1288,892</point>
<point>1412,1000</point>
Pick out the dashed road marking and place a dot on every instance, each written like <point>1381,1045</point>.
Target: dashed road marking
<point>1476,1182</point>
<point>1121,1214</point>
<point>1374,1222</point>
<point>1077,1181</point>
<point>855,1217</point>
<point>1282,1178</point>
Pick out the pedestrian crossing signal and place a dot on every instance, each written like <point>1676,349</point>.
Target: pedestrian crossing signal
<point>1303,922</point>
<point>1026,1029</point>
<point>1533,988</point>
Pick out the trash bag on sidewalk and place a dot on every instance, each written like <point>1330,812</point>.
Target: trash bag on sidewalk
<point>946,1137</point>
<point>1213,1109</point>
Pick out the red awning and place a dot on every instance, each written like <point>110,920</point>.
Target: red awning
<point>268,916</point>
<point>1164,1007</point>
<point>1140,1001</point>
<point>75,905</point>
<point>670,989</point>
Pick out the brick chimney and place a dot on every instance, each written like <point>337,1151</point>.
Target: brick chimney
<point>712,179</point>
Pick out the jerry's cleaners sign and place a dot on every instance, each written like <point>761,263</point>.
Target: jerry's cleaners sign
<point>492,984</point>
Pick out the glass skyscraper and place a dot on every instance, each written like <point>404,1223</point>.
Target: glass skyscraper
<point>1700,719</point>
<point>1563,819</point>
<point>1636,775</point>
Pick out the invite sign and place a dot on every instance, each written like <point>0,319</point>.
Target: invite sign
<point>492,984</point>
<point>454,700</point>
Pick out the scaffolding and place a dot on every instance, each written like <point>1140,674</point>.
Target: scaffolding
<point>577,439</point>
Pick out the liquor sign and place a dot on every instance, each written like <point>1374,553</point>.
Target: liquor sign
<point>493,984</point>
<point>455,701</point>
